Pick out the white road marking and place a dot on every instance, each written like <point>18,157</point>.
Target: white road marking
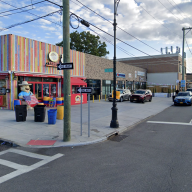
<point>20,169</point>
<point>171,123</point>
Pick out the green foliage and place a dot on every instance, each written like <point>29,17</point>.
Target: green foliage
<point>87,43</point>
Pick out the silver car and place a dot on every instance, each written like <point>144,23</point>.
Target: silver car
<point>124,95</point>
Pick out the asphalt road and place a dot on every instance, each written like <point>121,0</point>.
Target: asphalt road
<point>151,157</point>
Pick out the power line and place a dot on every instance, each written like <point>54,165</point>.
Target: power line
<point>21,7</point>
<point>117,38</point>
<point>181,11</point>
<point>168,9</point>
<point>188,47</point>
<point>32,13</point>
<point>28,21</point>
<point>174,7</point>
<point>117,26</point>
<point>130,54</point>
<point>157,20</point>
<point>15,13</point>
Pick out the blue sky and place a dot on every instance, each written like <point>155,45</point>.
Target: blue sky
<point>158,23</point>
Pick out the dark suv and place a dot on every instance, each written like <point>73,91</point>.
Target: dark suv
<point>141,95</point>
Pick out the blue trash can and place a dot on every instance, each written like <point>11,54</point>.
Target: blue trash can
<point>52,116</point>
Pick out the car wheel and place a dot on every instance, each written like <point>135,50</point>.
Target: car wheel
<point>175,104</point>
<point>143,101</point>
<point>121,99</point>
<point>150,99</point>
<point>131,101</point>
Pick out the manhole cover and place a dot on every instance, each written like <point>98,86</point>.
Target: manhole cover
<point>117,138</point>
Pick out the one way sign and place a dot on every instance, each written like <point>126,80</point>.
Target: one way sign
<point>84,89</point>
<point>63,66</point>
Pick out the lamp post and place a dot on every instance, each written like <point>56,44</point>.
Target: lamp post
<point>114,122</point>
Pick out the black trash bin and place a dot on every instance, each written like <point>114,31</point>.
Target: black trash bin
<point>20,112</point>
<point>39,113</point>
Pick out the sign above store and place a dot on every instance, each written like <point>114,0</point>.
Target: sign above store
<point>63,66</point>
<point>53,56</point>
<point>108,70</point>
<point>84,89</point>
<point>120,75</point>
<point>51,64</point>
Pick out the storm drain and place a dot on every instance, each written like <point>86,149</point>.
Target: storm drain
<point>117,138</point>
<point>7,143</point>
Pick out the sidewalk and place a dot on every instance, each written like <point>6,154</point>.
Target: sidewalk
<point>129,114</point>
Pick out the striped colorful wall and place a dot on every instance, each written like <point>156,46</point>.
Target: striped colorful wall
<point>27,55</point>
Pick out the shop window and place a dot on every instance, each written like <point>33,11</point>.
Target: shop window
<point>53,90</point>
<point>31,88</point>
<point>45,90</point>
<point>34,79</point>
<point>38,91</point>
<point>50,80</point>
<point>2,87</point>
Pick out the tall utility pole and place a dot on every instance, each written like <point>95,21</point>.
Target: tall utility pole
<point>66,74</point>
<point>183,53</point>
<point>114,122</point>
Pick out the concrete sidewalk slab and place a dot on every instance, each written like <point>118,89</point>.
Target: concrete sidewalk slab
<point>128,114</point>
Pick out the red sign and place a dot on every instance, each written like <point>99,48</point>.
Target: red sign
<point>37,75</point>
<point>51,64</point>
<point>4,74</point>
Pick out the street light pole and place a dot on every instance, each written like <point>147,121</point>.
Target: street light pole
<point>114,122</point>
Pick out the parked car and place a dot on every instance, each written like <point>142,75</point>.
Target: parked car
<point>189,89</point>
<point>141,95</point>
<point>124,95</point>
<point>183,98</point>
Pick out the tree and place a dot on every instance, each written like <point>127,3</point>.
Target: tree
<point>87,43</point>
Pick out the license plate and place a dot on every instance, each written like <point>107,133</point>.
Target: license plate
<point>135,99</point>
<point>181,102</point>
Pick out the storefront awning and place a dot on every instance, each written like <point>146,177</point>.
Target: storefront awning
<point>4,74</point>
<point>77,81</point>
<point>37,75</point>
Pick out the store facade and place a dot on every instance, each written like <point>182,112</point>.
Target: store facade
<point>99,75</point>
<point>23,59</point>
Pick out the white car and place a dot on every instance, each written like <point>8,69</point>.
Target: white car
<point>124,95</point>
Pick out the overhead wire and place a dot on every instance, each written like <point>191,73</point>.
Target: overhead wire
<point>16,12</point>
<point>119,39</point>
<point>32,14</point>
<point>28,21</point>
<point>117,26</point>
<point>21,7</point>
<point>93,26</point>
<point>168,9</point>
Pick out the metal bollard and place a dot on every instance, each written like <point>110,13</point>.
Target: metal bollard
<point>93,98</point>
<point>99,98</point>
<point>105,97</point>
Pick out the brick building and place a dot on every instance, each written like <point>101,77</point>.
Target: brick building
<point>162,70</point>
<point>99,74</point>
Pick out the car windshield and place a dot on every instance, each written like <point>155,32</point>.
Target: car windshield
<point>121,91</point>
<point>140,92</point>
<point>183,94</point>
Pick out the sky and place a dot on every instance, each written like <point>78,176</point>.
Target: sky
<point>143,26</point>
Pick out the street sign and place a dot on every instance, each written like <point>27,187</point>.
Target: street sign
<point>63,66</point>
<point>182,83</point>
<point>84,89</point>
